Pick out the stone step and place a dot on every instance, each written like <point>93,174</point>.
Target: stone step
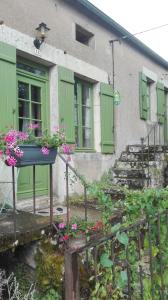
<point>136,156</point>
<point>131,183</point>
<point>152,148</point>
<point>130,165</point>
<point>134,173</point>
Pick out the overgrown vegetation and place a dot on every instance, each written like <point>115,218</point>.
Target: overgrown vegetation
<point>112,259</point>
<point>136,205</point>
<point>10,290</point>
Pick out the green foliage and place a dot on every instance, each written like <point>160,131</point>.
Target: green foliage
<point>122,280</point>
<point>49,295</point>
<point>137,205</point>
<point>122,238</point>
<point>49,267</point>
<point>105,261</point>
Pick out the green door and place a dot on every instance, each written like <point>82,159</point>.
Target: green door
<point>32,102</point>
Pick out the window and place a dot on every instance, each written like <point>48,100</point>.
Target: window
<point>85,37</point>
<point>148,98</point>
<point>146,87</point>
<point>83,114</point>
<point>29,97</point>
<point>31,69</point>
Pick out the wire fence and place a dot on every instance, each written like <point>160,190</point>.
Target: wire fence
<point>131,263</point>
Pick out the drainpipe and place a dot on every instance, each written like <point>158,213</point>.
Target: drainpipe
<point>113,80</point>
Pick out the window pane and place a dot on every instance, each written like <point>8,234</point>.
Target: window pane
<point>77,136</point>
<point>35,93</point>
<point>36,111</point>
<point>23,90</point>
<point>31,69</point>
<point>38,131</point>
<point>76,115</point>
<point>23,109</point>
<point>85,116</point>
<point>87,138</point>
<point>85,95</point>
<point>23,124</point>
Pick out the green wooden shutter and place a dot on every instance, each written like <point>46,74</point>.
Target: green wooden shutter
<point>66,102</point>
<point>143,101</point>
<point>160,103</point>
<point>7,86</point>
<point>107,122</point>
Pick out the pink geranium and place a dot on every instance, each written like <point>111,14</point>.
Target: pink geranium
<point>66,149</point>
<point>18,152</point>
<point>7,152</point>
<point>61,225</point>
<point>45,150</point>
<point>33,126</point>
<point>11,161</point>
<point>23,136</point>
<point>65,237</point>
<point>11,141</point>
<point>11,137</point>
<point>74,226</point>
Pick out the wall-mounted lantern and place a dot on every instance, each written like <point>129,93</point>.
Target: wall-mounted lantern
<point>41,34</point>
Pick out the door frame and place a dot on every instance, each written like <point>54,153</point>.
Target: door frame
<point>43,81</point>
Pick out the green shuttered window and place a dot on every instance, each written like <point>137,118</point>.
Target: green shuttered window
<point>143,96</point>
<point>66,102</point>
<point>75,109</point>
<point>107,121</point>
<point>160,103</point>
<point>7,86</point>
<point>83,117</point>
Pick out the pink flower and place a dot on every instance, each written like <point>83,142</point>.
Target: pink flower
<point>74,226</point>
<point>33,126</point>
<point>45,150</point>
<point>23,136</point>
<point>66,148</point>
<point>66,237</point>
<point>11,161</point>
<point>18,152</point>
<point>61,225</point>
<point>11,137</point>
<point>7,152</point>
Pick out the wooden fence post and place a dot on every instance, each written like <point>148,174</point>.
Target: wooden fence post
<point>72,291</point>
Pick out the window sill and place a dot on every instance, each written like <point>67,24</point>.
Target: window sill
<point>86,150</point>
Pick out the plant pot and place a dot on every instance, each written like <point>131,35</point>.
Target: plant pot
<point>34,156</point>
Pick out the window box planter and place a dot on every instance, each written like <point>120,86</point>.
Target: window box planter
<point>34,156</point>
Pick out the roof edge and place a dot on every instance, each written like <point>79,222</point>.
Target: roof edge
<point>121,30</point>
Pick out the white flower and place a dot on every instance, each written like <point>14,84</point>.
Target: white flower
<point>16,243</point>
<point>53,242</point>
<point>42,232</point>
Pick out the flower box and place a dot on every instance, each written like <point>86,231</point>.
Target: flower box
<point>33,155</point>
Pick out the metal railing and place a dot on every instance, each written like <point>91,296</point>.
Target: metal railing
<point>149,146</point>
<point>13,211</point>
<point>142,259</point>
<point>83,182</point>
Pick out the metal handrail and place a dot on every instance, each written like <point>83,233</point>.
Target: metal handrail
<point>153,128</point>
<point>79,176</point>
<point>83,182</point>
<point>153,131</point>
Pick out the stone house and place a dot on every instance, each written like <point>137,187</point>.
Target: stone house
<point>70,82</point>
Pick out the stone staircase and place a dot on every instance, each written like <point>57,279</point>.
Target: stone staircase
<point>137,168</point>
